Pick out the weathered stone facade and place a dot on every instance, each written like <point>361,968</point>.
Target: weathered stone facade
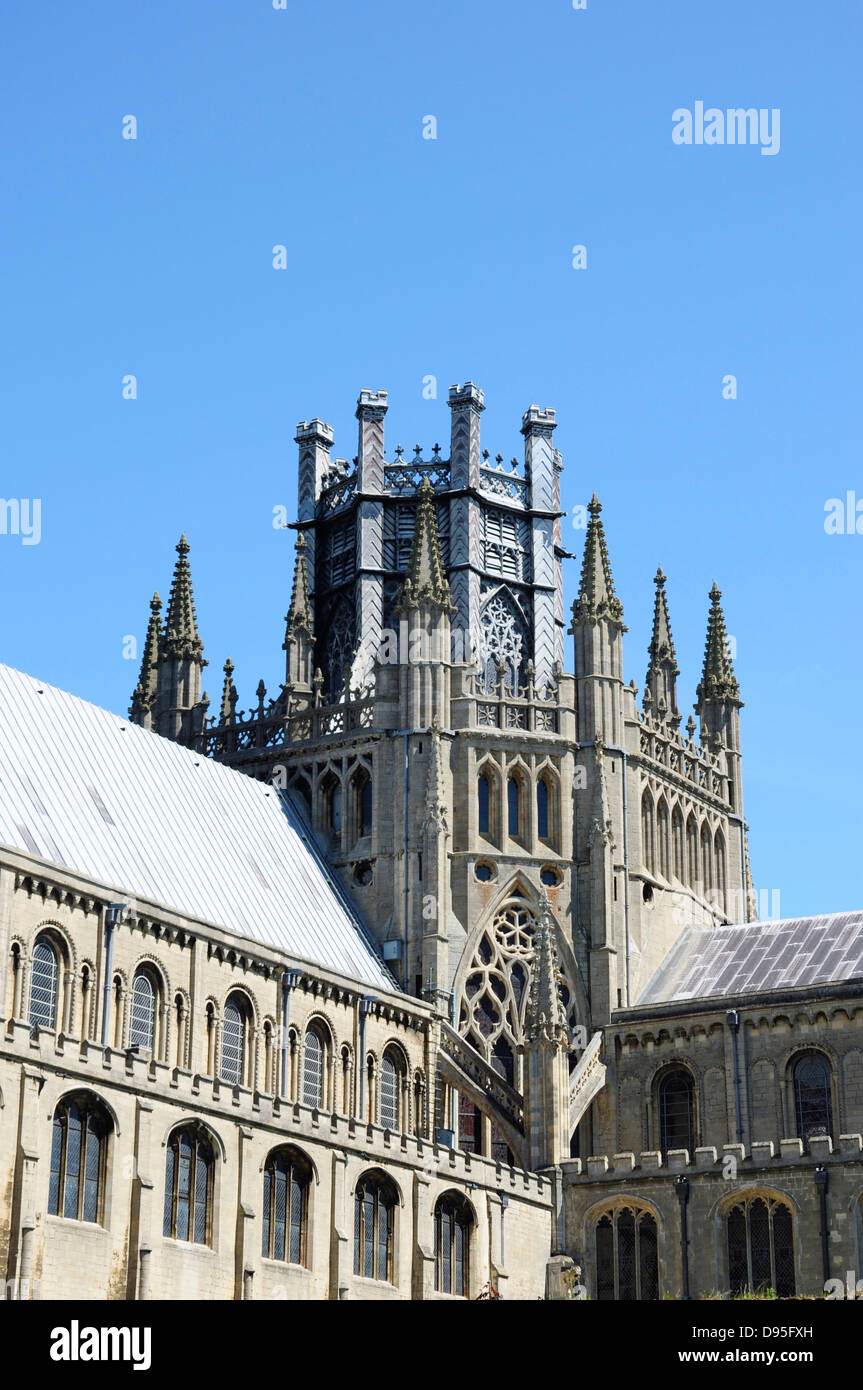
<point>124,1253</point>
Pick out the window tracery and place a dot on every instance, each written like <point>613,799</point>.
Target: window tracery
<point>495,993</point>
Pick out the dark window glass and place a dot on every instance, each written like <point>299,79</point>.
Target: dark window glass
<point>812,1097</point>
<point>374,1208</point>
<point>675,1112</point>
<point>366,807</point>
<point>453,1221</point>
<point>627,1266</point>
<point>512,792</point>
<point>542,809</point>
<point>188,1187</point>
<point>483,800</point>
<point>759,1232</point>
<point>287,1177</point>
<point>78,1143</point>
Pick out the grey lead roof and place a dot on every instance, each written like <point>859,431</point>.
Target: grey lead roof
<point>142,816</point>
<point>760,956</point>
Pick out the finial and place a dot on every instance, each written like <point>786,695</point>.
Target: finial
<point>659,577</point>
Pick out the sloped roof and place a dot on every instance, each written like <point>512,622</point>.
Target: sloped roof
<point>760,956</point>
<point>136,813</point>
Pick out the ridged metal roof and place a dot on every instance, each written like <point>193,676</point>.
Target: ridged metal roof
<point>760,956</point>
<point>138,814</point>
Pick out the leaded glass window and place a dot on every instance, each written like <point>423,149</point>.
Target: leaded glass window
<point>314,1059</point>
<point>78,1147</point>
<point>760,1239</point>
<point>188,1186</point>
<point>374,1218</point>
<point>287,1178</point>
<point>391,1087</point>
<point>234,1042</point>
<point>812,1107</point>
<point>676,1112</point>
<point>142,1018</point>
<point>627,1264</point>
<point>453,1224</point>
<point>44,976</point>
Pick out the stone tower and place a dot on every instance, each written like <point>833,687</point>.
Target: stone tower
<point>463,785</point>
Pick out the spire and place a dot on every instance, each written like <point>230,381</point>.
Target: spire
<point>545,1019</point>
<point>596,596</point>
<point>145,691</point>
<point>662,671</point>
<point>718,681</point>
<point>299,616</point>
<point>229,695</point>
<point>426,580</point>
<point>181,629</point>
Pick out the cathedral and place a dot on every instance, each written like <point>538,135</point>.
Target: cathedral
<point>435,973</point>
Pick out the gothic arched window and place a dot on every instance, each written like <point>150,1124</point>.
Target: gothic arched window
<point>374,1222</point>
<point>453,1223</point>
<point>188,1186</point>
<point>78,1149</point>
<point>542,818</point>
<point>692,851</point>
<point>142,1015</point>
<point>678,848</point>
<point>331,793</point>
<point>235,1027</point>
<point>648,835</point>
<point>706,861</point>
<point>813,1111</point>
<point>627,1264</point>
<point>663,838</point>
<point>504,642</point>
<point>44,984</point>
<point>287,1179</point>
<point>676,1111</point>
<point>720,873</point>
<point>339,646</point>
<point>760,1236</point>
<point>483,806</point>
<point>365,806</point>
<point>391,1088</point>
<point>496,988</point>
<point>314,1068</point>
<point>513,799</point>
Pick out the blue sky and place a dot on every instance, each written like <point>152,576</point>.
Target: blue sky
<point>450,257</point>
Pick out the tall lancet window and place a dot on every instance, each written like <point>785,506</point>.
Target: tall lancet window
<point>482,792</point>
<point>542,809</point>
<point>513,798</point>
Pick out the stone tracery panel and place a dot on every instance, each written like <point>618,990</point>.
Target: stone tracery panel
<point>495,993</point>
